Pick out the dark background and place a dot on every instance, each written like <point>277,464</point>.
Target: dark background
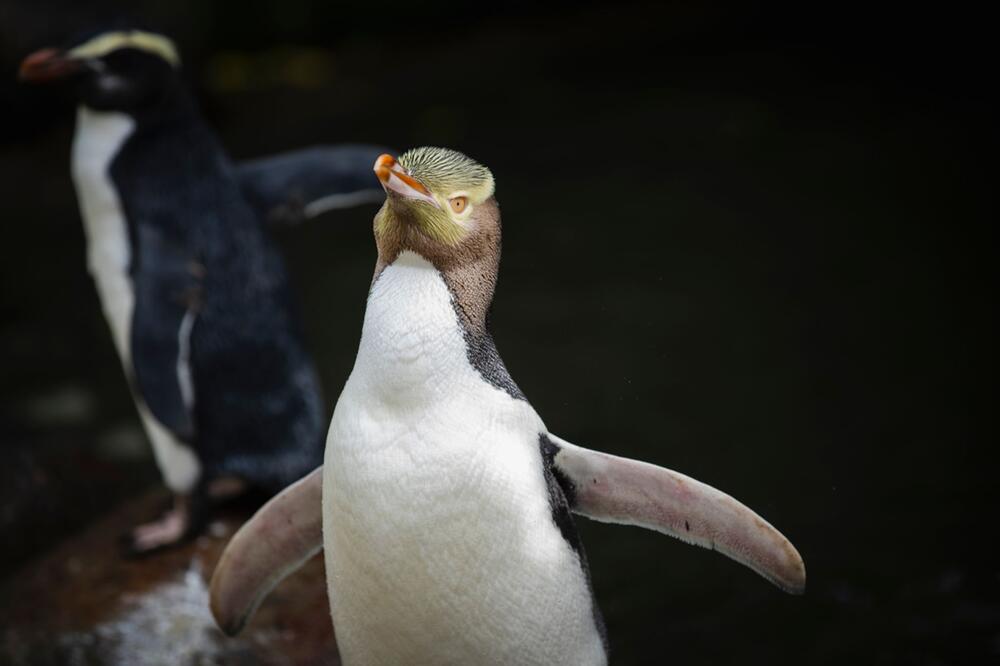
<point>751,245</point>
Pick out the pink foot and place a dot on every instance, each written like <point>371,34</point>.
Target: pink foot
<point>168,530</point>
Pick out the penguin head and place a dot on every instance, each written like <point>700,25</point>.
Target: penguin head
<point>440,205</point>
<point>438,202</point>
<point>115,70</point>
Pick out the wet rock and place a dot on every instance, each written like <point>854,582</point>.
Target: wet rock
<point>82,604</point>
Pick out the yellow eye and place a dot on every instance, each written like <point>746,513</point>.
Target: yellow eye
<point>458,204</point>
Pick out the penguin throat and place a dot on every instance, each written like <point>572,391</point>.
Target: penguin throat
<point>469,269</point>
<point>419,225</point>
<point>430,320</point>
<point>470,283</point>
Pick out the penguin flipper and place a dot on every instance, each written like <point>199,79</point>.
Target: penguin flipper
<point>611,489</point>
<point>291,187</point>
<point>273,544</point>
<point>167,298</point>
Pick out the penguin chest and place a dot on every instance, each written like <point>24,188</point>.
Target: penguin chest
<point>440,542</point>
<point>98,139</point>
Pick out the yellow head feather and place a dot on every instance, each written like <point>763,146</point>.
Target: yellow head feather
<point>129,39</point>
<point>446,174</point>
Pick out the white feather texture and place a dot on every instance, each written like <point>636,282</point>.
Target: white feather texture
<point>99,136</point>
<point>439,539</point>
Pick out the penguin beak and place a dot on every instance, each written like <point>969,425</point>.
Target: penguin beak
<point>47,65</point>
<point>394,179</point>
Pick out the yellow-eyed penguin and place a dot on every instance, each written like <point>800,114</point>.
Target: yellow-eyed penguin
<point>444,505</point>
<point>193,289</point>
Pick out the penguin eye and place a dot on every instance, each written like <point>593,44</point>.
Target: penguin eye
<point>458,204</point>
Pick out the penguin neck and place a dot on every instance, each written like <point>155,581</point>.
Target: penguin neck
<point>167,154</point>
<point>469,270</point>
<point>423,323</point>
<point>157,135</point>
<point>173,107</point>
<point>169,132</point>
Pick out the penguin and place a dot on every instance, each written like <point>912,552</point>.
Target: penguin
<point>445,505</point>
<point>298,185</point>
<point>194,291</point>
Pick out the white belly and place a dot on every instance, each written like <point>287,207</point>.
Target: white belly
<point>439,538</point>
<point>98,138</point>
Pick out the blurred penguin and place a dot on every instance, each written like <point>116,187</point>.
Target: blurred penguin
<point>195,293</point>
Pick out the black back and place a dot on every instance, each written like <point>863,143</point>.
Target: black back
<point>198,248</point>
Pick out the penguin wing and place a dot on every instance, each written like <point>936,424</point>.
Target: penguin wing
<point>288,530</point>
<point>610,489</point>
<point>291,187</point>
<point>274,543</point>
<point>167,283</point>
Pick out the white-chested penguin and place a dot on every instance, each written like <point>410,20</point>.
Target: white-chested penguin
<point>444,504</point>
<point>195,292</point>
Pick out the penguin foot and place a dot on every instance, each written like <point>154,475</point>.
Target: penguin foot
<point>172,528</point>
<point>187,515</point>
<point>166,530</point>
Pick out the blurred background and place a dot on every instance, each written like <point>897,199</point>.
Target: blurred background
<point>751,245</point>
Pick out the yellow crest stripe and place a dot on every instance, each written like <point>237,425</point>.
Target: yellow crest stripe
<point>135,39</point>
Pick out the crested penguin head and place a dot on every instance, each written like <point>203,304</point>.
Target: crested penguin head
<point>440,193</point>
<point>436,197</point>
<point>440,205</point>
<point>114,70</point>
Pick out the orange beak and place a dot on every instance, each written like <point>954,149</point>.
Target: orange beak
<point>47,65</point>
<point>395,179</point>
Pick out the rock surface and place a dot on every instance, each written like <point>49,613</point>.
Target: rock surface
<point>81,603</point>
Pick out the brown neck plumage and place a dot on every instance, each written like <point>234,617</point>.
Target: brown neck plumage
<point>469,269</point>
